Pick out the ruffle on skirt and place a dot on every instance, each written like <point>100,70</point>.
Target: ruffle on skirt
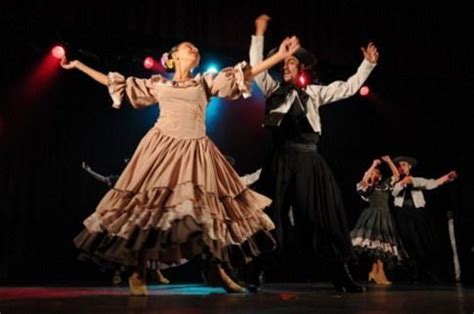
<point>177,198</point>
<point>183,241</point>
<point>375,235</point>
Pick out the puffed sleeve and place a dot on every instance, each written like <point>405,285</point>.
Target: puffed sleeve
<point>229,83</point>
<point>140,92</point>
<point>364,190</point>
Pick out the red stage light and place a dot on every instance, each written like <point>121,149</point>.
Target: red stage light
<point>149,62</point>
<point>302,80</point>
<point>364,91</point>
<point>58,52</point>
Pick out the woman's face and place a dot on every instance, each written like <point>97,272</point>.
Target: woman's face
<point>187,54</point>
<point>375,176</point>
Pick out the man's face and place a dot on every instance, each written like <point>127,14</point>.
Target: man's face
<point>404,168</point>
<point>291,69</point>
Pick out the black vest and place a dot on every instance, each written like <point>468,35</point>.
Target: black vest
<point>292,126</point>
<point>278,97</point>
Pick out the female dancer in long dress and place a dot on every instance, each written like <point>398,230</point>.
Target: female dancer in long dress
<point>375,233</point>
<point>178,197</point>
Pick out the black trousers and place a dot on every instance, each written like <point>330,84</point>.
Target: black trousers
<point>297,177</point>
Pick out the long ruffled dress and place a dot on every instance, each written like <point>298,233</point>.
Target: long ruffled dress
<point>375,233</point>
<point>178,196</point>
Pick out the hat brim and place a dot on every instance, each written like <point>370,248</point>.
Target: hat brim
<point>304,56</point>
<point>412,161</point>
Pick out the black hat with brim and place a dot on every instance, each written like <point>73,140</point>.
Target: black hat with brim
<point>412,161</point>
<point>304,56</point>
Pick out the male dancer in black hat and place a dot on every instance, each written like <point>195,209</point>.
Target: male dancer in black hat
<point>411,218</point>
<point>294,174</point>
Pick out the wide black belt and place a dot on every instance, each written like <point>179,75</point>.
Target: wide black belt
<point>301,147</point>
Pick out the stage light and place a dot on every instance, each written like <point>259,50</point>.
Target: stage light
<point>364,91</point>
<point>212,68</point>
<point>303,79</point>
<point>58,52</point>
<point>148,63</point>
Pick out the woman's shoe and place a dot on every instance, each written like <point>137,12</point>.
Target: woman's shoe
<point>161,279</point>
<point>378,281</point>
<point>384,280</point>
<point>381,274</point>
<point>386,283</point>
<point>373,278</point>
<point>136,285</point>
<point>228,283</point>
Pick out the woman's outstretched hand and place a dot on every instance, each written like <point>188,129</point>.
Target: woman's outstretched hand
<point>288,47</point>
<point>68,65</point>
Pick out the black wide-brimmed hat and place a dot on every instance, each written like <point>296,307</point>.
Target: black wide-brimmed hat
<point>412,161</point>
<point>304,56</point>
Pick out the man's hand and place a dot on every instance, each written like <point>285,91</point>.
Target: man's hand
<point>261,24</point>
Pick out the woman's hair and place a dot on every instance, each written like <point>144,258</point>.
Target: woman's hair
<point>167,60</point>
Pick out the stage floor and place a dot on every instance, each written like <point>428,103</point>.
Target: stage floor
<point>274,298</point>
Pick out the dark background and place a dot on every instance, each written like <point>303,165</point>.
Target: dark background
<point>51,120</point>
